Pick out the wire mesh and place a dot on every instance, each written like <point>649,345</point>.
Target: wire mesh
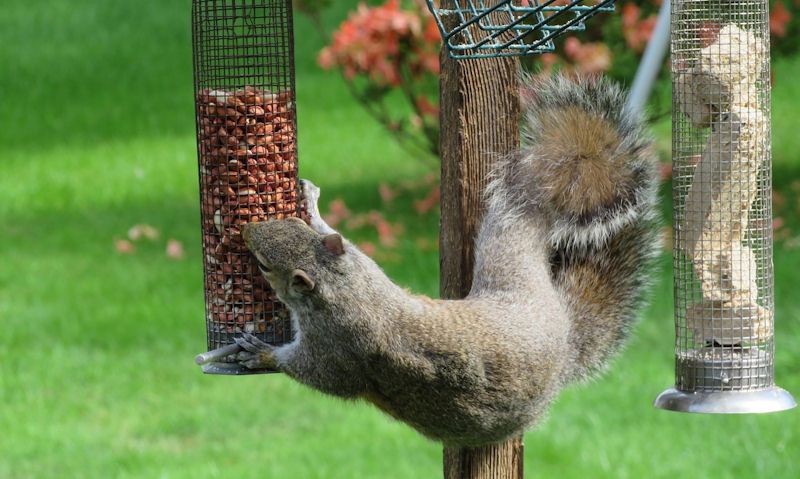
<point>722,195</point>
<point>247,155</point>
<point>478,29</point>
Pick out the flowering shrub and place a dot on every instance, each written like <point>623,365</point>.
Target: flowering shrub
<point>385,43</point>
<point>779,19</point>
<point>637,28</point>
<point>391,49</point>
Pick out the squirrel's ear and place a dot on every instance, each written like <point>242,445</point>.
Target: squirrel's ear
<point>333,243</point>
<point>301,281</point>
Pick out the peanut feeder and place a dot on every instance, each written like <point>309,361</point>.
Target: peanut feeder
<point>247,157</point>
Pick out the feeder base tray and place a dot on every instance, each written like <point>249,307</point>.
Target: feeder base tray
<point>232,369</point>
<point>773,399</point>
<point>713,369</point>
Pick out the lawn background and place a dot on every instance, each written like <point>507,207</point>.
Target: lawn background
<point>96,348</point>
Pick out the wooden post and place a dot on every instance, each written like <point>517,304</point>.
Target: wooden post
<point>480,115</point>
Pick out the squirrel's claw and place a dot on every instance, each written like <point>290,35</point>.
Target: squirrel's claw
<point>256,355</point>
<point>250,343</point>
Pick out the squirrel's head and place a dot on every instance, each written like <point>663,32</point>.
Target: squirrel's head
<point>291,255</point>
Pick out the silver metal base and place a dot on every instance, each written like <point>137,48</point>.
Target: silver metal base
<point>773,399</point>
<point>724,369</point>
<point>232,369</point>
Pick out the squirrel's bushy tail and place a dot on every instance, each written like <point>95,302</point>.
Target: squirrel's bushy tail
<point>587,171</point>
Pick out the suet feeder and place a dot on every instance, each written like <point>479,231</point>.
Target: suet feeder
<point>478,29</point>
<point>247,156</point>
<point>722,220</point>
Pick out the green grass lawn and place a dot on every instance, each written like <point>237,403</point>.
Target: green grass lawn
<point>96,348</point>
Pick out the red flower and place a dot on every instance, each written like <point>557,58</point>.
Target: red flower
<point>382,42</point>
<point>591,58</point>
<point>779,19</point>
<point>637,32</point>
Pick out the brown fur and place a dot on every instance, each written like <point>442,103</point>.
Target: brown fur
<point>590,175</point>
<point>561,259</point>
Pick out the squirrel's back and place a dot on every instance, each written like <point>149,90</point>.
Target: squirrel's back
<point>586,178</point>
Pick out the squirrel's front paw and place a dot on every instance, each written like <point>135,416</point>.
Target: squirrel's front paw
<point>257,354</point>
<point>310,192</point>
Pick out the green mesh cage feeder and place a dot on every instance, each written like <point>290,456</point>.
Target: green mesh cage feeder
<point>722,215</point>
<point>478,29</point>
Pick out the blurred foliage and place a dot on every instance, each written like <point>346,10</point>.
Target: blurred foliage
<point>784,23</point>
<point>387,47</point>
<point>388,55</point>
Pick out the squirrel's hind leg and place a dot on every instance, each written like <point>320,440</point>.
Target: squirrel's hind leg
<point>310,193</point>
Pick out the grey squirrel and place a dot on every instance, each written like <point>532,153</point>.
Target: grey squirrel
<point>562,260</point>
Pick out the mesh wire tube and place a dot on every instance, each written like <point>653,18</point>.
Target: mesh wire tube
<point>722,195</point>
<point>247,155</point>
<point>480,29</point>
